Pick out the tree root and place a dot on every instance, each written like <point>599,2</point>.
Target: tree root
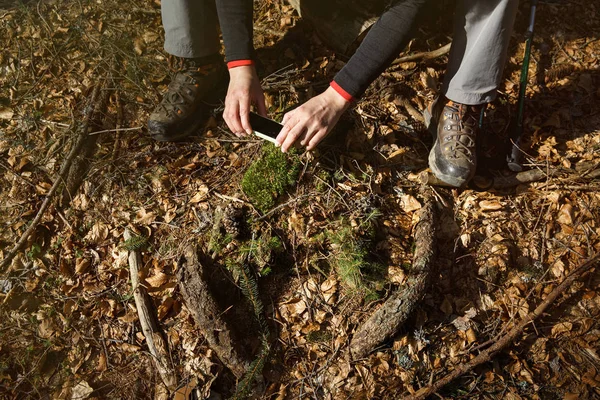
<point>387,319</point>
<point>508,338</point>
<point>88,114</point>
<point>194,288</point>
<point>424,56</point>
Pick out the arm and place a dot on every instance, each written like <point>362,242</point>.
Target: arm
<point>313,120</point>
<point>235,17</point>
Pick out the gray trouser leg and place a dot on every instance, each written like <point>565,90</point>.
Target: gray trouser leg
<point>190,27</point>
<point>482,31</point>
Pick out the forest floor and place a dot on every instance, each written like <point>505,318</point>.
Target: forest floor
<point>327,251</point>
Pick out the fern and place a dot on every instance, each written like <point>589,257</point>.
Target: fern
<point>135,243</point>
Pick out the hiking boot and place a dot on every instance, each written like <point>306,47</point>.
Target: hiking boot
<point>454,126</point>
<point>181,110</point>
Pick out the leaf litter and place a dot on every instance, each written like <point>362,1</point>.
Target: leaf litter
<point>69,325</point>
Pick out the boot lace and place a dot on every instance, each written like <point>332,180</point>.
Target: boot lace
<point>461,126</point>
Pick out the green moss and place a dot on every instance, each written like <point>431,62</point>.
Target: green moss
<point>270,176</point>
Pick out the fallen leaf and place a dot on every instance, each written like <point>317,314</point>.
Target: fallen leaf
<point>82,390</point>
<point>6,113</point>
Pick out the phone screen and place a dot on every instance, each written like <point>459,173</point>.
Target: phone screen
<point>265,128</point>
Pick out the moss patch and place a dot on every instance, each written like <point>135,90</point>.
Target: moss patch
<point>270,176</point>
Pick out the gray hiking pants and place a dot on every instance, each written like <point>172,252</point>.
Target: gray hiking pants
<point>482,31</point>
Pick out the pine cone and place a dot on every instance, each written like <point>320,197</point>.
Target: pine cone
<point>232,219</point>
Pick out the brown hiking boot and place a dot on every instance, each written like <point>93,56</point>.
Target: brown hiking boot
<point>181,111</point>
<point>455,127</point>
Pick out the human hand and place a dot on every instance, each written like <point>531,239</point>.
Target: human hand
<point>312,121</point>
<point>244,90</point>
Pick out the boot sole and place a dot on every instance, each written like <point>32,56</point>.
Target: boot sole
<point>449,179</point>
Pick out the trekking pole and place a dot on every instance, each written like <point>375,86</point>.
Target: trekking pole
<point>515,158</point>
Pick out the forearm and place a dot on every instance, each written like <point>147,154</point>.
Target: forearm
<point>387,37</point>
<point>235,18</point>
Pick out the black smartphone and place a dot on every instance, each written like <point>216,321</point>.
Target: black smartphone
<point>265,128</point>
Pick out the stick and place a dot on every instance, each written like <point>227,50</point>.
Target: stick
<point>394,312</point>
<point>426,55</point>
<point>508,338</point>
<point>62,174</point>
<point>154,339</point>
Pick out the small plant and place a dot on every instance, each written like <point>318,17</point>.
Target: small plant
<point>134,243</point>
<point>270,176</point>
<point>350,258</point>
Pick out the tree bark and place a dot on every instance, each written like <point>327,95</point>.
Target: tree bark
<point>206,312</point>
<point>393,313</point>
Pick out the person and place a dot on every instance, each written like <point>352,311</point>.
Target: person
<point>476,61</point>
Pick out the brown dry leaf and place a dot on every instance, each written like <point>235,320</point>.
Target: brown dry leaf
<point>200,195</point>
<point>144,218</point>
<point>157,280</point>
<point>396,274</point>
<point>560,328</point>
<point>82,265</point>
<point>82,390</point>
<point>329,289</point>
<point>409,203</point>
<point>490,205</point>
<point>165,307</point>
<point>102,363</point>
<point>98,233</point>
<point>565,215</point>
<point>6,113</point>
<point>139,46</point>
<point>292,309</point>
<point>558,268</point>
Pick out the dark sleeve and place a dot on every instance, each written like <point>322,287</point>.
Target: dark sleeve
<point>235,19</point>
<point>387,37</point>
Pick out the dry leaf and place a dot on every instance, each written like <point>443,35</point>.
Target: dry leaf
<point>560,328</point>
<point>490,205</point>
<point>144,218</point>
<point>6,113</point>
<point>408,203</point>
<point>82,265</point>
<point>81,391</point>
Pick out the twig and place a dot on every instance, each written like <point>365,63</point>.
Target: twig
<point>426,55</point>
<point>154,339</point>
<point>64,170</point>
<point>508,338</point>
<point>135,128</point>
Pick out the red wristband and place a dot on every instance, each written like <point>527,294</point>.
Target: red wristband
<point>239,63</point>
<point>347,96</point>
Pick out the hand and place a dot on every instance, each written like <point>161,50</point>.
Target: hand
<point>312,121</point>
<point>244,90</point>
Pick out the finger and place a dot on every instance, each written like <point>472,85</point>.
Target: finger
<point>308,135</point>
<point>287,127</point>
<point>245,116</point>
<point>234,119</point>
<point>316,139</point>
<point>292,136</point>
<point>261,105</point>
<point>287,117</point>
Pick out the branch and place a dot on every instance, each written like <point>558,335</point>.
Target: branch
<point>508,338</point>
<point>426,55</point>
<point>143,303</point>
<point>62,174</point>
